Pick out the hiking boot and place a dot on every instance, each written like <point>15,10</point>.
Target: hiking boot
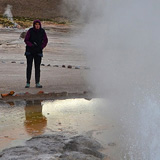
<point>38,85</point>
<point>27,85</point>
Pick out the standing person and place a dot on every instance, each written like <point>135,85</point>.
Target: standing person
<point>36,40</point>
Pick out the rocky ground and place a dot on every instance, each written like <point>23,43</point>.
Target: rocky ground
<point>55,147</point>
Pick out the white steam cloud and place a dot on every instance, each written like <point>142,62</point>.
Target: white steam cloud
<point>82,11</point>
<point>8,13</point>
<point>122,44</point>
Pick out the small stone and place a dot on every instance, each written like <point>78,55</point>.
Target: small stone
<point>111,144</point>
<point>42,64</point>
<point>21,62</point>
<point>13,62</point>
<point>40,92</point>
<point>85,92</point>
<point>63,66</point>
<point>23,34</point>
<point>48,65</point>
<point>86,68</point>
<point>55,66</point>
<point>27,93</point>
<point>88,99</point>
<point>69,66</point>
<point>77,67</point>
<point>47,113</point>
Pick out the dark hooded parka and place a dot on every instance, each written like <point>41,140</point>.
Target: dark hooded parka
<point>36,40</point>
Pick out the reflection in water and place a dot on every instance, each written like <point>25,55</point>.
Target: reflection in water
<point>35,122</point>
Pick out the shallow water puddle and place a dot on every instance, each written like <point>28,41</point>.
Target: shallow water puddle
<point>22,120</point>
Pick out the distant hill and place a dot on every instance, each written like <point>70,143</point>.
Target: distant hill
<point>33,8</point>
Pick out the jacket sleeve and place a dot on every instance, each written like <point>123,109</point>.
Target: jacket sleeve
<point>26,40</point>
<point>45,40</point>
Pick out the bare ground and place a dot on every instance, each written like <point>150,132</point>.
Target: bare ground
<point>61,50</point>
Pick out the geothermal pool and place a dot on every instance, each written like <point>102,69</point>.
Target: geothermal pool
<point>22,120</point>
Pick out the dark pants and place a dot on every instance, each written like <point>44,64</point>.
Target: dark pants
<point>37,63</point>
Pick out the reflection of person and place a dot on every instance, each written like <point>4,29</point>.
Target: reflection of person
<point>36,40</point>
<point>35,122</point>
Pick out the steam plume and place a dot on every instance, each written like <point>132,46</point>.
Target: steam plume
<point>122,43</point>
<point>9,15</point>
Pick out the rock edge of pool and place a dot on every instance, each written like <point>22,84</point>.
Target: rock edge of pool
<point>56,146</point>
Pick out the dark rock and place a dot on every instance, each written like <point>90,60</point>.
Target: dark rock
<point>92,152</point>
<point>42,64</point>
<point>21,62</point>
<point>85,92</point>
<point>87,142</point>
<point>85,145</point>
<point>48,65</point>
<point>88,99</point>
<point>63,66</point>
<point>69,66</point>
<point>55,146</point>
<point>23,34</point>
<point>1,155</point>
<point>13,62</point>
<point>71,146</point>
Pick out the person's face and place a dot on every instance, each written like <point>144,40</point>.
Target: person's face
<point>37,26</point>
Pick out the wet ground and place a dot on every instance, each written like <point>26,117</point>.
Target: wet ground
<point>22,120</point>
